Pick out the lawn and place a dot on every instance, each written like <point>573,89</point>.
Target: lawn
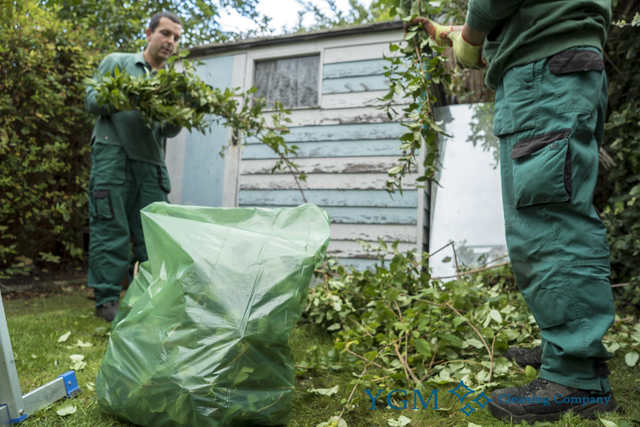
<point>36,325</point>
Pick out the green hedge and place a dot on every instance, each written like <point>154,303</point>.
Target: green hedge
<point>44,139</point>
<point>619,194</point>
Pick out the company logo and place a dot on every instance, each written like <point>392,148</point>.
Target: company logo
<point>461,391</point>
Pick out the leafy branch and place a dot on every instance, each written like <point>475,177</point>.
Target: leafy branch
<point>182,99</point>
<point>415,73</point>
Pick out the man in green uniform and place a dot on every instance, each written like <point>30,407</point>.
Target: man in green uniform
<point>544,59</point>
<point>127,168</point>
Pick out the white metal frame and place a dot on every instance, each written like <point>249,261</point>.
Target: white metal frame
<point>14,407</point>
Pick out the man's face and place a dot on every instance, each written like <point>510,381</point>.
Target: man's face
<point>163,41</point>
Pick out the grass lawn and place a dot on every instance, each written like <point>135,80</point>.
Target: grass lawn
<point>35,325</point>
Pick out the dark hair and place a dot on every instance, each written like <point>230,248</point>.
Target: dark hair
<point>155,19</point>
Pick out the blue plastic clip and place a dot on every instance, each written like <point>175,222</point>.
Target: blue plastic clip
<point>70,383</point>
<point>18,420</point>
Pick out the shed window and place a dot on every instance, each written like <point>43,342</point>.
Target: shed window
<point>291,81</point>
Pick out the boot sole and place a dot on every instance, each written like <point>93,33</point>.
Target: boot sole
<point>586,411</point>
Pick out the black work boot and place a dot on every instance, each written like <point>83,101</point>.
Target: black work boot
<point>107,310</point>
<point>525,356</point>
<point>543,400</point>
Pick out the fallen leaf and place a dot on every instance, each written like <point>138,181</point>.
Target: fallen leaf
<point>333,422</point>
<point>66,410</point>
<point>631,359</point>
<point>324,391</point>
<point>77,362</point>
<point>400,422</point>
<point>83,344</point>
<point>64,337</point>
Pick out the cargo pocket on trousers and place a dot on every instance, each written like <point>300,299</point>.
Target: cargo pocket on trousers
<point>102,206</point>
<point>163,179</point>
<point>542,169</point>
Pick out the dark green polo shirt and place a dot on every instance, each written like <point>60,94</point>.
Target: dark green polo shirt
<point>127,128</point>
<point>523,31</point>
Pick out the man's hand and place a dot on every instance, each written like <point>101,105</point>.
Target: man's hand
<point>466,43</point>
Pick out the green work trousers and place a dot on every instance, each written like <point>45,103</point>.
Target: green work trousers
<point>118,188</point>
<point>549,117</point>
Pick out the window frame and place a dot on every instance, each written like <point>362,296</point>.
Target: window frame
<point>253,60</point>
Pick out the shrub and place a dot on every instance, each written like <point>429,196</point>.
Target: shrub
<point>44,138</point>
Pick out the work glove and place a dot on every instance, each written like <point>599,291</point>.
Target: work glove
<point>467,55</point>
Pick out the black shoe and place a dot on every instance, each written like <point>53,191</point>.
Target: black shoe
<point>525,356</point>
<point>543,400</point>
<point>107,310</point>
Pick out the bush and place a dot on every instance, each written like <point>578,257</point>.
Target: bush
<point>621,189</point>
<point>44,139</point>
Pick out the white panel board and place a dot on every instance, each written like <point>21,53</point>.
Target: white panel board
<point>379,164</point>
<point>322,182</point>
<point>174,159</point>
<point>371,233</point>
<point>347,249</point>
<point>467,206</point>
<point>358,114</point>
<point>358,99</point>
<point>357,52</point>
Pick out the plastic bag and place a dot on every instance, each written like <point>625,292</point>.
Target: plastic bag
<point>201,338</point>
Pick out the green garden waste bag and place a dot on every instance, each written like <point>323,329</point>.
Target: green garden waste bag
<point>201,338</point>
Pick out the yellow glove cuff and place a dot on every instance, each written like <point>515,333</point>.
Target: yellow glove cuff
<point>466,54</point>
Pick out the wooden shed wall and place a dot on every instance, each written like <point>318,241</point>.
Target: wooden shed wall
<point>346,145</point>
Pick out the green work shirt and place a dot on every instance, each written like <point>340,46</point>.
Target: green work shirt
<point>524,31</point>
<point>128,129</point>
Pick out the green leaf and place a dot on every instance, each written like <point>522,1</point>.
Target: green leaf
<point>399,422</point>
<point>324,391</point>
<point>631,359</point>
<point>64,337</point>
<point>423,347</point>
<point>66,410</point>
<point>473,342</point>
<point>334,421</point>
<point>608,423</point>
<point>495,315</point>
<point>530,372</point>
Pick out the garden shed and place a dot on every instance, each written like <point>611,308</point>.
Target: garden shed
<point>332,81</point>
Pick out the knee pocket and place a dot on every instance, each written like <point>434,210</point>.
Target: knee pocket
<point>550,306</point>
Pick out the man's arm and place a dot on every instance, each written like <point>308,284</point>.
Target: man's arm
<point>107,66</point>
<point>169,130</point>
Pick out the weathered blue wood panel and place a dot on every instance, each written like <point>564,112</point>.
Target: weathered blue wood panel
<point>354,84</point>
<point>359,264</point>
<point>335,198</point>
<point>356,215</point>
<point>204,169</point>
<point>388,147</point>
<point>342,132</point>
<point>369,67</point>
